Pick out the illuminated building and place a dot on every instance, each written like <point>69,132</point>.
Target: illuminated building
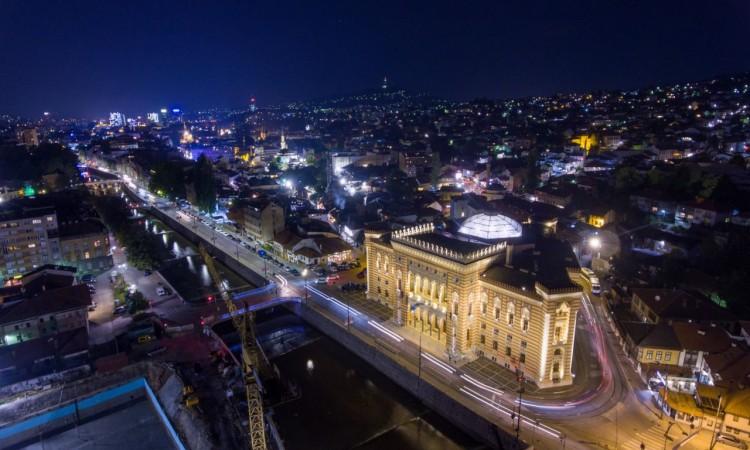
<point>585,141</point>
<point>489,290</point>
<point>28,137</point>
<point>116,119</point>
<point>28,239</point>
<point>153,117</point>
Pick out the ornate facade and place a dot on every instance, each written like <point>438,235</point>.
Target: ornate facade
<point>508,299</point>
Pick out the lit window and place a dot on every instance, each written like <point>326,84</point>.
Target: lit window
<point>649,355</point>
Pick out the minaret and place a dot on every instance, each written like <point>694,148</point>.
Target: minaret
<point>283,141</point>
<point>385,83</point>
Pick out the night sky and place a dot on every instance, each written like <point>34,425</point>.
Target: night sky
<point>87,58</point>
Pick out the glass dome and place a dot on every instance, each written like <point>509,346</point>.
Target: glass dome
<point>490,226</point>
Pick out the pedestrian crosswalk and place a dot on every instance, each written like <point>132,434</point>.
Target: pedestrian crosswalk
<point>652,438</point>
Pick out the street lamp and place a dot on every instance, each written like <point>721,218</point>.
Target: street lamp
<point>304,276</point>
<point>419,356</point>
<point>596,244</point>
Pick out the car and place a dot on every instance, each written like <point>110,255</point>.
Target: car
<point>145,338</point>
<point>294,272</point>
<point>362,273</point>
<point>92,306</point>
<point>596,289</point>
<point>161,291</point>
<point>732,441</point>
<point>331,279</point>
<point>147,273</point>
<point>122,309</point>
<point>88,278</point>
<point>320,280</point>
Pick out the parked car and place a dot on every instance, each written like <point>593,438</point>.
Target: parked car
<point>122,309</point>
<point>294,272</point>
<point>320,280</point>
<point>161,291</point>
<point>732,441</point>
<point>362,273</point>
<point>331,279</point>
<point>88,278</point>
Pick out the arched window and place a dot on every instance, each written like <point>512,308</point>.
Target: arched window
<point>484,303</point>
<point>562,322</point>
<point>525,317</point>
<point>511,316</point>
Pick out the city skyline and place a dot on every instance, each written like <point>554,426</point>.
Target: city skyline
<point>219,56</point>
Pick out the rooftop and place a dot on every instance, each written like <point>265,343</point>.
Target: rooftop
<point>47,302</point>
<point>490,227</point>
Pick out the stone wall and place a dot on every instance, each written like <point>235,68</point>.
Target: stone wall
<point>228,260</point>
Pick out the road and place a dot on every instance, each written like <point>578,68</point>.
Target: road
<point>616,413</point>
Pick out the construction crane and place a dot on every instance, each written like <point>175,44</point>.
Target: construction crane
<point>245,326</point>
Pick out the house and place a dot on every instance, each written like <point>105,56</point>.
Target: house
<point>655,305</point>
<point>559,197</point>
<point>311,250</point>
<point>654,203</point>
<point>44,327</point>
<point>652,344</point>
<point>600,216</point>
<point>705,213</point>
<point>263,219</point>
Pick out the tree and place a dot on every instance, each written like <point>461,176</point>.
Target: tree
<point>168,180</point>
<point>628,179</point>
<point>532,170</point>
<point>137,302</point>
<point>436,169</point>
<point>672,269</point>
<point>401,187</point>
<point>205,184</point>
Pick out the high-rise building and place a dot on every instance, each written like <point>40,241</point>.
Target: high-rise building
<point>28,137</point>
<point>28,239</point>
<point>116,119</point>
<point>153,117</point>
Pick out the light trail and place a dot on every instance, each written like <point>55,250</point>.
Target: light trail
<point>385,331</point>
<point>283,280</point>
<point>481,385</point>
<point>503,409</point>
<point>439,363</point>
<point>338,303</point>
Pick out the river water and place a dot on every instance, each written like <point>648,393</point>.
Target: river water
<point>186,272</point>
<point>343,402</point>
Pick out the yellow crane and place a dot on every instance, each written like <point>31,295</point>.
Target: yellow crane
<point>245,326</point>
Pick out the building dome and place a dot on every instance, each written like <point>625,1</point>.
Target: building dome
<point>490,227</point>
